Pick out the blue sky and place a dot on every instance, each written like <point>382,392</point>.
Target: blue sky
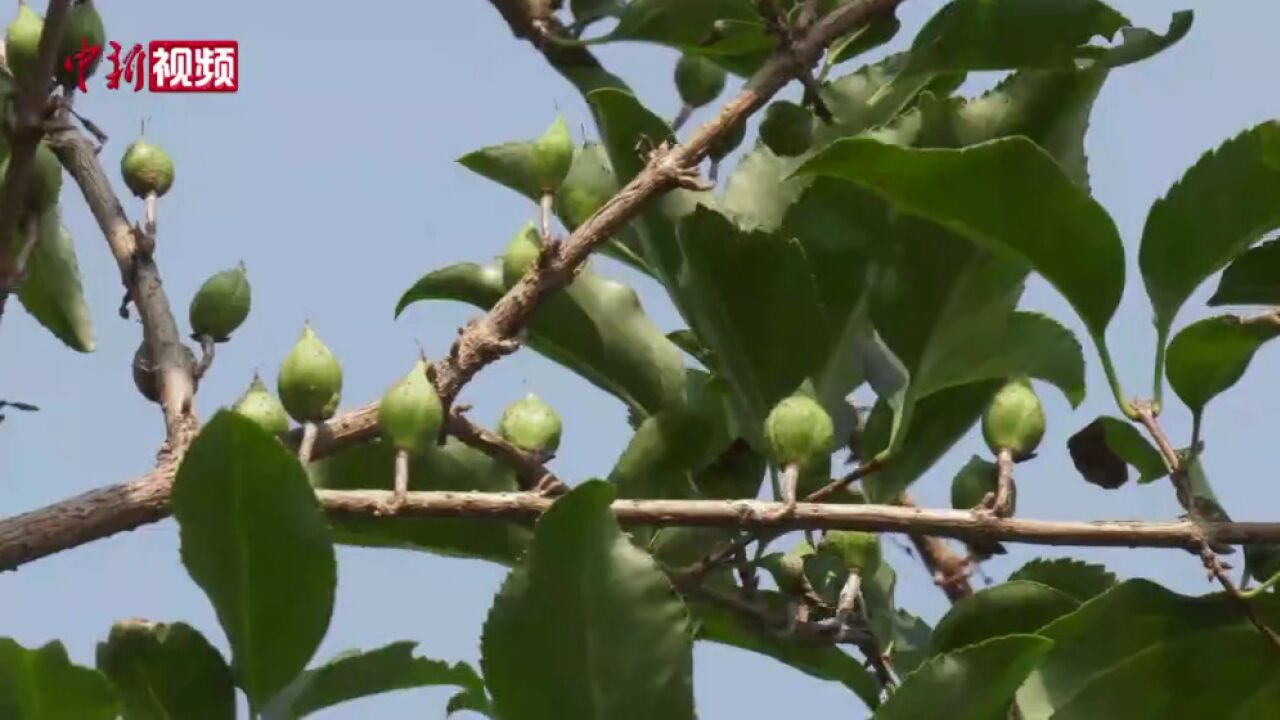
<point>331,174</point>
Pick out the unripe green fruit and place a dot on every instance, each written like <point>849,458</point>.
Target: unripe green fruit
<point>860,551</point>
<point>147,380</point>
<point>147,169</point>
<point>22,42</point>
<point>45,183</point>
<point>788,569</point>
<point>1014,421</point>
<point>521,253</point>
<point>260,406</point>
<point>698,80</point>
<point>787,128</point>
<point>310,379</point>
<point>84,29</point>
<point>221,304</point>
<point>977,478</point>
<point>410,414</point>
<point>799,431</point>
<point>531,425</point>
<point>730,142</point>
<point>552,157</point>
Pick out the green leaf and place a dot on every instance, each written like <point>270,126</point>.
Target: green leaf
<point>1209,356</point>
<point>620,644</point>
<point>51,291</point>
<point>974,683</point>
<point>475,700</point>
<point>908,635</point>
<point>595,327</point>
<point>675,23</point>
<point>1125,654</point>
<point>1010,608</point>
<point>662,455</point>
<point>42,684</point>
<point>588,10</point>
<point>515,164</point>
<point>353,675</point>
<point>1221,205</point>
<point>164,671</point>
<point>826,662</point>
<point>1103,450</point>
<point>256,540</point>
<point>1007,194</point>
<point>1000,34</point>
<point>454,466</point>
<point>1253,278</point>
<point>1138,44</point>
<point>939,421</point>
<point>1082,581</point>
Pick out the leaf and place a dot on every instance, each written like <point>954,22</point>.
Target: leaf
<point>1000,34</point>
<point>675,23</point>
<point>256,541</point>
<point>1102,450</point>
<point>454,466</point>
<point>474,700</point>
<point>939,421</point>
<point>353,675</point>
<point>1138,44</point>
<point>42,684</point>
<point>1082,581</point>
<point>1007,194</point>
<point>974,683</point>
<point>826,662</point>
<point>596,327</point>
<point>587,10</point>
<point>908,635</point>
<point>1209,356</point>
<point>1221,205</point>
<point>1132,643</point>
<point>1011,608</point>
<point>514,164</point>
<point>620,644</point>
<point>167,670</point>
<point>51,291</point>
<point>665,450</point>
<point>1253,278</point>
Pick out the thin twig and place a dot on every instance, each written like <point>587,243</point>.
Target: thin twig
<point>836,486</point>
<point>305,449</point>
<point>530,471</point>
<point>207,346</point>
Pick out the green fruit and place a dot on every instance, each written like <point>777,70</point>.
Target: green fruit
<point>260,406</point>
<point>147,169</point>
<point>698,80</point>
<point>860,551</point>
<point>22,42</point>
<point>310,379</point>
<point>45,184</point>
<point>799,431</point>
<point>220,305</point>
<point>977,478</point>
<point>145,377</point>
<point>730,142</point>
<point>84,29</point>
<point>531,425</point>
<point>1014,421</point>
<point>410,414</point>
<point>552,157</point>
<point>788,569</point>
<point>587,187</point>
<point>787,128</point>
<point>521,253</point>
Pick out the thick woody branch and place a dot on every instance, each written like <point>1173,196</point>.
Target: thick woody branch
<point>133,251</point>
<point>948,569</point>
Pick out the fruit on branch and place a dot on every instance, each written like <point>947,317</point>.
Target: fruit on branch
<point>83,30</point>
<point>970,486</point>
<point>787,128</point>
<point>310,379</point>
<point>521,253</point>
<point>147,169</point>
<point>552,156</point>
<point>1015,420</point>
<point>410,414</point>
<point>531,425</point>
<point>220,305</point>
<point>260,406</point>
<point>22,42</point>
<point>798,430</point>
<point>45,184</point>
<point>860,551</point>
<point>146,377</point>
<point>698,80</point>
<point>788,569</point>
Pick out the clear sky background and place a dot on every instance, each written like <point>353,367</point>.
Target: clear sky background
<point>331,174</point>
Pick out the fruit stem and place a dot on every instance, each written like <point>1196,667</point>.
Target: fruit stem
<point>1004,482</point>
<point>309,432</point>
<point>847,603</point>
<point>682,117</point>
<point>714,172</point>
<point>544,206</point>
<point>150,217</point>
<point>401,480</point>
<point>206,356</point>
<point>790,478</point>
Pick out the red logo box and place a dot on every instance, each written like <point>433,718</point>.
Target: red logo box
<point>193,66</point>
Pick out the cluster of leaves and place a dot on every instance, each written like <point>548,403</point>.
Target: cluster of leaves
<point>891,251</point>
